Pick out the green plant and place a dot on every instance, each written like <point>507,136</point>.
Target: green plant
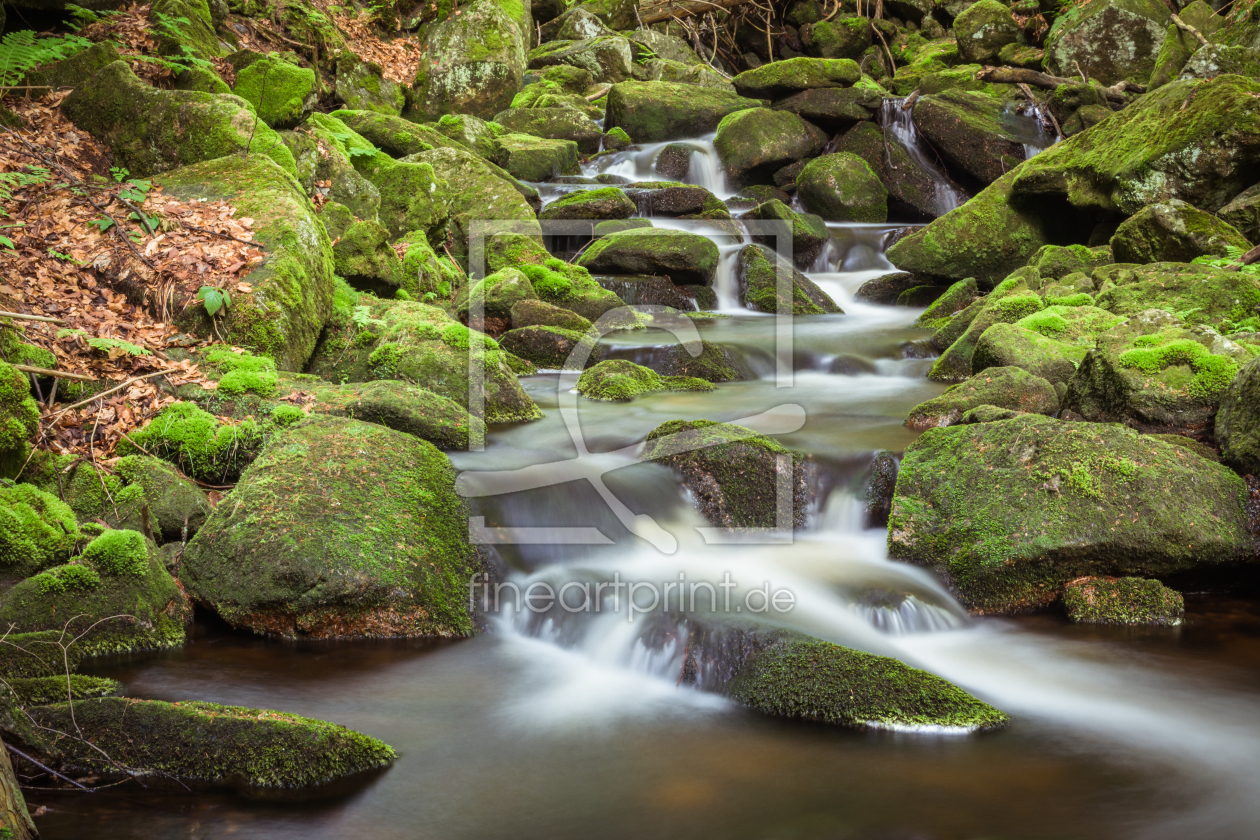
<point>22,51</point>
<point>214,300</point>
<point>105,345</point>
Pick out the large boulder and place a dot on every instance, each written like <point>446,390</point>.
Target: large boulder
<point>809,232</point>
<point>283,95</point>
<point>1201,295</point>
<point>755,143</point>
<point>1050,344</point>
<point>1004,387</point>
<point>193,741</point>
<point>362,86</point>
<point>733,473</point>
<point>474,64</point>
<point>602,203</point>
<point>912,191</point>
<point>846,38</point>
<point>177,507</point>
<point>833,109</point>
<point>1173,231</point>
<point>1111,40</point>
<point>757,271</point>
<point>340,528</point>
<point>553,124</point>
<point>150,130</point>
<point>365,259</point>
<point>842,188</point>
<point>652,112</point>
<point>553,348</point>
<point>1238,421</point>
<point>1010,511</point>
<point>292,289</point>
<point>607,59</point>
<point>969,131</point>
<point>784,78</point>
<point>1154,375</point>
<point>538,159</point>
<point>620,380</point>
<point>37,530</point>
<point>1243,213</point>
<point>982,30</point>
<point>1179,45</point>
<point>685,258</point>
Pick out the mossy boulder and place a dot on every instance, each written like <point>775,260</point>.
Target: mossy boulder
<point>1003,387</point>
<point>404,408</point>
<point>177,507</point>
<point>195,441</point>
<point>1007,303</point>
<point>496,294</point>
<point>809,679</point>
<point>1058,261</point>
<point>553,124</point>
<point>955,299</point>
<point>1200,295</point>
<point>474,134</point>
<point>733,473</point>
<point>1111,41</point>
<point>1238,421</point>
<point>19,418</point>
<point>755,143</point>
<point>779,79</point>
<point>185,28</point>
<point>572,287</point>
<point>685,258</point>
<point>292,288</point>
<point>537,159</point>
<point>1154,375</point>
<point>708,361</point>
<point>474,64</point>
<point>283,95</point>
<point>150,130</point>
<point>842,188</point>
<point>362,86</point>
<point>1011,511</point>
<point>37,530</point>
<point>193,741</point>
<point>553,348</point>
<point>911,191</point>
<point>420,345</point>
<point>42,691</point>
<point>1129,600</point>
<point>365,259</point>
<point>845,38</point>
<point>620,379</point>
<point>615,14</point>
<point>700,75</point>
<point>1243,213</point>
<point>1179,45</point>
<point>607,58</point>
<point>332,160</point>
<point>394,135</point>
<point>117,594</point>
<point>602,203</point>
<point>757,271</point>
<point>654,112</point>
<point>833,109</point>
<point>969,131</point>
<point>341,528</point>
<point>538,313</point>
<point>809,232</point>
<point>1173,231</point>
<point>983,30</point>
<point>1217,60</point>
<point>77,68</point>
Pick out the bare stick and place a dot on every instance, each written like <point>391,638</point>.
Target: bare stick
<point>59,374</point>
<point>44,767</point>
<point>22,316</point>
<point>1185,27</point>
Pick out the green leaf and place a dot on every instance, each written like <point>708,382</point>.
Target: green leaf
<point>213,299</point>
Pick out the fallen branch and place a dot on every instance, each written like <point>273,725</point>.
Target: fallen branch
<point>661,12</point>
<point>1185,27</point>
<point>57,374</point>
<point>597,94</point>
<point>24,317</point>
<point>1019,75</point>
<point>43,767</point>
<point>112,390</point>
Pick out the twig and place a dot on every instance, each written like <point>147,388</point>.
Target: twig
<point>44,767</point>
<point>597,94</point>
<point>82,403</point>
<point>59,374</point>
<point>1185,27</point>
<point>24,317</point>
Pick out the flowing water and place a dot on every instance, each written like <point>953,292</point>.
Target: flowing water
<point>571,723</point>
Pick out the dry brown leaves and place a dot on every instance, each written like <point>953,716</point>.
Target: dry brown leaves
<point>121,285</point>
<point>131,31</point>
<point>399,57</point>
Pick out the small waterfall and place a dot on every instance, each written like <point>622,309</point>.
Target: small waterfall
<point>1030,126</point>
<point>898,123</point>
<point>704,168</point>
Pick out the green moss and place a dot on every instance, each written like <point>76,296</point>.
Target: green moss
<point>1001,387</point>
<point>61,579</point>
<point>1212,373</point>
<point>118,552</point>
<point>618,379</point>
<point>1127,600</point>
<point>19,415</point>
<point>957,297</point>
<point>800,677</point>
<point>242,373</point>
<point>37,529</point>
<point>286,415</point>
<point>206,742</point>
<point>41,691</point>
<point>196,442</point>
<point>281,93</point>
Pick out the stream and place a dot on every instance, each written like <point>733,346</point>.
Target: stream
<point>563,724</point>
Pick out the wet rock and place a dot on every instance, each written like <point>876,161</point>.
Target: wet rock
<point>605,203</point>
<point>1113,40</point>
<point>674,162</point>
<point>686,258</point>
<point>983,30</point>
<point>911,191</point>
<point>645,290</point>
<point>455,79</point>
<point>888,288</point>
<point>1011,511</point>
<point>1007,303</point>
<point>733,473</point>
<point>553,124</point>
<point>652,112</point>
<point>620,379</point>
<point>842,188</point>
<point>809,232</point>
<point>496,294</point>
<point>757,275</point>
<point>967,129</point>
<point>755,143</point>
<point>1173,231</point>
<point>1001,387</point>
<point>780,79</point>
<point>881,478</point>
<point>553,348</point>
<point>712,362</point>
<point>1129,600</point>
<point>194,741</point>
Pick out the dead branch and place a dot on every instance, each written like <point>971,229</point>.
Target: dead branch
<point>1185,27</point>
<point>58,374</point>
<point>24,317</point>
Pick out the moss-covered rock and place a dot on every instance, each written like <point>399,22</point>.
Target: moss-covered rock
<point>1173,231</point>
<point>842,188</point>
<point>537,313</point>
<point>969,131</point>
<point>784,78</point>
<point>1007,303</point>
<point>619,379</point>
<point>755,143</point>
<point>1154,375</point>
<point>361,86</point>
<point>685,258</point>
<point>194,741</point>
<point>496,294</point>
<point>74,70</point>
<point>1217,60</point>
<point>844,38</point>
<point>956,298</point>
<point>1238,421</point>
<point>833,109</point>
<point>553,348</point>
<point>196,442</point>
<point>653,112</point>
<point>810,679</point>
<point>537,159</point>
<point>607,58</point>
<point>42,691</point>
<point>911,190</point>
<point>712,362</point>
<point>1058,261</point>
<point>363,257</point>
<point>809,232</point>
<point>185,29</point>
<point>342,528</point>
<point>983,30</point>
<point>1115,40</point>
<point>615,14</point>
<point>1200,295</point>
<point>1243,212</point>
<point>1050,343</point>
<point>1130,600</point>
<point>475,134</point>
<point>1003,387</point>
<point>1011,511</point>
<point>1179,45</point>
<point>553,124</point>
<point>283,95</point>
<point>404,408</point>
<point>150,130</point>
<point>420,345</point>
<point>19,417</point>
<point>757,275</point>
<point>602,203</point>
<point>475,64</point>
<point>733,473</point>
<point>177,507</point>
<point>117,594</point>
<point>37,530</point>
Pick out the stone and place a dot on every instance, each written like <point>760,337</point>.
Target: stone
<point>654,112</point>
<point>911,191</point>
<point>553,124</point>
<point>809,233</point>
<point>475,64</point>
<point>967,130</point>
<point>686,258</point>
<point>1011,511</point>
<point>1243,213</point>
<point>536,159</point>
<point>1111,40</point>
<point>1178,45</point>
<point>753,144</point>
<point>1129,600</point>
<point>608,58</point>
<point>846,38</point>
<point>1174,231</point>
<point>1003,387</point>
<point>1237,427</point>
<point>602,203</point>
<point>622,380</point>
<point>757,276</point>
<point>983,30</point>
<point>362,86</point>
<point>832,109</point>
<point>537,313</point>
<point>780,79</point>
<point>177,507</point>
<point>282,94</point>
<point>842,188</point>
<point>364,259</point>
<point>554,348</point>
